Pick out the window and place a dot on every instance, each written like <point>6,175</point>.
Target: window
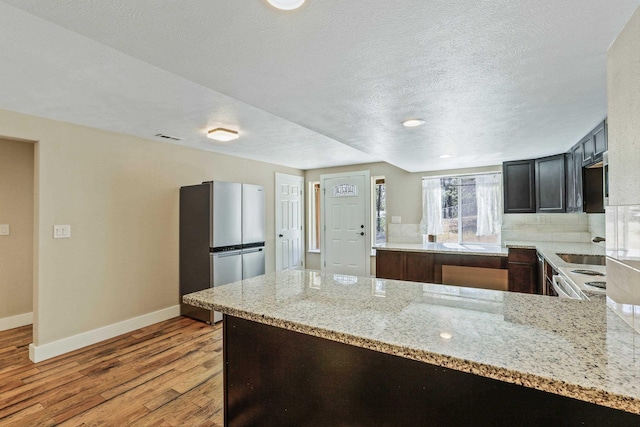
<point>314,217</point>
<point>379,217</point>
<point>463,209</point>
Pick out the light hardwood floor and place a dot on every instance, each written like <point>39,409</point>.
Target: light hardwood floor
<point>167,374</point>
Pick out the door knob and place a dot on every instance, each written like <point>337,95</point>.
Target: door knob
<point>362,226</point>
<point>362,234</point>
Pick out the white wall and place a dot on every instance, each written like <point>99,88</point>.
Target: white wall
<point>120,195</point>
<point>16,249</point>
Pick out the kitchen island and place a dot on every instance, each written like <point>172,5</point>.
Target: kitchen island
<point>303,347</point>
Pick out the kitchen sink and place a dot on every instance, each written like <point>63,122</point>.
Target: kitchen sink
<point>584,259</point>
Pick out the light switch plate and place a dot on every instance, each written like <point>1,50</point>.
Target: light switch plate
<point>396,220</point>
<point>4,229</point>
<point>61,231</point>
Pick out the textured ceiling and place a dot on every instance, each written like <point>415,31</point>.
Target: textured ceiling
<point>325,85</point>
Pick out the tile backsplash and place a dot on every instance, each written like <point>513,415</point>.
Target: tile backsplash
<point>525,227</point>
<point>547,227</point>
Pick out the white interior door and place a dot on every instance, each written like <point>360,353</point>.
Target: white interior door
<point>345,246</point>
<point>289,223</point>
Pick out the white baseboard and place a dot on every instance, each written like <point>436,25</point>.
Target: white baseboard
<point>65,345</point>
<point>16,321</point>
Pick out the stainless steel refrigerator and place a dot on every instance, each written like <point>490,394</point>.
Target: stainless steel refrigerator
<point>221,238</point>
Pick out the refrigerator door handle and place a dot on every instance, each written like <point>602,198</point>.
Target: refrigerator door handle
<point>248,251</point>
<point>226,254</point>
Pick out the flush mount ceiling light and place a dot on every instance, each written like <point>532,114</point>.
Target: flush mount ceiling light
<point>222,134</point>
<point>411,123</point>
<point>286,4</point>
<point>445,156</point>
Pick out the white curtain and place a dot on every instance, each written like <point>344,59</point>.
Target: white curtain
<point>489,203</point>
<point>431,206</point>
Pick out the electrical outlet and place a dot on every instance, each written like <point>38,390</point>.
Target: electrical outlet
<point>61,231</point>
<point>396,220</point>
<point>4,229</point>
<point>541,219</point>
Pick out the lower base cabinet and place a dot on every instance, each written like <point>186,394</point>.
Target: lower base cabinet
<point>427,266</point>
<point>523,271</point>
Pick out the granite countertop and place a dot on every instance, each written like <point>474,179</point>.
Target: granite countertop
<point>453,248</point>
<point>578,349</point>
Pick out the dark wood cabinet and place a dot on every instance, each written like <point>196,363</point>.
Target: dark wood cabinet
<point>587,149</point>
<point>419,267</point>
<point>550,184</point>
<point>523,270</point>
<point>390,265</point>
<point>427,266</point>
<point>600,142</point>
<point>519,186</point>
<point>593,190</point>
<point>594,144</point>
<point>549,272</point>
<point>576,172</point>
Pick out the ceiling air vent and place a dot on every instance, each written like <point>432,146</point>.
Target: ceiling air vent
<point>173,138</point>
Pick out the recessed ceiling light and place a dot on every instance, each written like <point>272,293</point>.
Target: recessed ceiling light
<point>445,156</point>
<point>222,134</point>
<point>286,4</point>
<point>446,335</point>
<point>411,123</point>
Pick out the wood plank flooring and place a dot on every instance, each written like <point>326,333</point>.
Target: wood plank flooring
<point>167,374</point>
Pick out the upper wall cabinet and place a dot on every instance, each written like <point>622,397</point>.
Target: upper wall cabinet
<point>594,144</point>
<point>519,186</point>
<point>550,184</point>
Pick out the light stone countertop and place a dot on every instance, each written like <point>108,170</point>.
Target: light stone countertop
<point>578,349</point>
<point>452,248</point>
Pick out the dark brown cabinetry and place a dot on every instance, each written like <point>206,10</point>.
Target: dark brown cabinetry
<point>390,265</point>
<point>550,184</point>
<point>419,267</point>
<point>594,197</point>
<point>594,144</point>
<point>574,179</point>
<point>523,271</point>
<point>519,186</point>
<point>600,142</point>
<point>549,272</point>
<point>427,266</point>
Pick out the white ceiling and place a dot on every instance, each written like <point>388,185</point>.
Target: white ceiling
<point>325,85</point>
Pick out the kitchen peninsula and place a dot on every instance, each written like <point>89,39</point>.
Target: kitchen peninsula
<point>302,346</point>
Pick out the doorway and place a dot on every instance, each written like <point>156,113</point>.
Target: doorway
<point>17,165</point>
<point>289,223</point>
<point>344,223</point>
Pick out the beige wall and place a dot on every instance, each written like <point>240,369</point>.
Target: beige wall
<point>16,210</point>
<point>120,196</point>
<point>404,189</point>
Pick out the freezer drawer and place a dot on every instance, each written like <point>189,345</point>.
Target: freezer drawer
<point>227,267</point>
<point>252,262</point>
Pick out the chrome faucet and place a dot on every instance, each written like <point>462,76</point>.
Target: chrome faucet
<point>598,239</point>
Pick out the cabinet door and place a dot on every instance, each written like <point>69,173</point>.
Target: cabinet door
<point>577,177</point>
<point>550,184</point>
<point>519,186</point>
<point>571,185</point>
<point>587,149</point>
<point>390,265</point>
<point>523,270</point>
<point>419,267</point>
<point>599,141</point>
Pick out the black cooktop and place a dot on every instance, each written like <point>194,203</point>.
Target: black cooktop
<point>597,284</point>
<point>588,272</point>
